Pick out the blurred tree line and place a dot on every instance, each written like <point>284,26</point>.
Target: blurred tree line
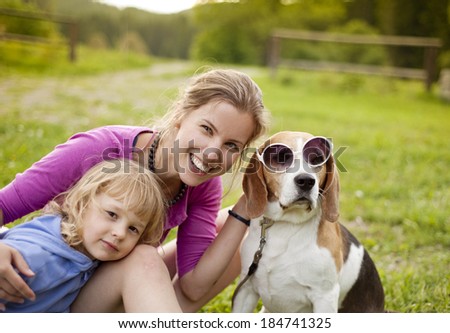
<point>238,31</point>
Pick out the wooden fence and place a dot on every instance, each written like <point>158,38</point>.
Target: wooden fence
<point>72,25</point>
<point>427,74</point>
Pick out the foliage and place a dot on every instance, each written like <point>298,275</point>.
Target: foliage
<point>348,53</point>
<point>133,42</point>
<point>164,35</point>
<point>90,61</point>
<point>238,31</point>
<point>18,54</point>
<point>364,54</point>
<point>23,26</point>
<point>234,33</point>
<point>413,18</point>
<point>14,53</point>
<point>319,15</point>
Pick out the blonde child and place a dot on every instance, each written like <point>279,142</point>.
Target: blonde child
<point>113,207</point>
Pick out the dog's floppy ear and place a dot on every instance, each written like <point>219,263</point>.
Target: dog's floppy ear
<point>255,189</point>
<point>330,201</point>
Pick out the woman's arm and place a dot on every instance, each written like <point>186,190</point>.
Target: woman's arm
<point>61,168</point>
<point>216,259</point>
<point>12,287</point>
<point>50,176</point>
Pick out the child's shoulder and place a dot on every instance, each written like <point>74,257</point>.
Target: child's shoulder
<point>47,224</point>
<point>40,243</point>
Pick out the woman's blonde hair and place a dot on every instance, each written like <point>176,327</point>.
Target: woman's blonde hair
<point>220,85</point>
<point>124,180</point>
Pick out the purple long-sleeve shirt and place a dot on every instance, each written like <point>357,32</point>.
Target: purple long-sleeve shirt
<point>194,214</point>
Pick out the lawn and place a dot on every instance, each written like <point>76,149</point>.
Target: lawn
<point>388,135</point>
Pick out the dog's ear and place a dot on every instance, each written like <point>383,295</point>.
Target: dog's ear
<point>255,189</point>
<point>330,201</point>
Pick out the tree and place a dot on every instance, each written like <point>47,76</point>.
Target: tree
<point>426,18</point>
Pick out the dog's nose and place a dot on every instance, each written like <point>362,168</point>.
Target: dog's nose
<point>305,182</point>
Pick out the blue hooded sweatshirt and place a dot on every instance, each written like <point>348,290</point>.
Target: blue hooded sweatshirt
<point>60,271</point>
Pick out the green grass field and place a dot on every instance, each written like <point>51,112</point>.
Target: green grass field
<point>391,136</point>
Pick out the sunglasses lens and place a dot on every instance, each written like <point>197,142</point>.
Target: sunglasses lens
<point>317,151</point>
<point>278,157</point>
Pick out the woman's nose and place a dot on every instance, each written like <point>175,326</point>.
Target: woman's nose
<point>212,153</point>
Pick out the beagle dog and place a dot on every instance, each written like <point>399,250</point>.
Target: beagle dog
<point>301,258</point>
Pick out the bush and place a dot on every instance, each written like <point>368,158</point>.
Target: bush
<point>338,52</point>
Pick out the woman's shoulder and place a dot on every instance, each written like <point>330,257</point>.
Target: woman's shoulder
<point>108,142</point>
<point>114,132</point>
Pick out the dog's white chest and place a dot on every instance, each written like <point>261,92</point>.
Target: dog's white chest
<point>292,267</point>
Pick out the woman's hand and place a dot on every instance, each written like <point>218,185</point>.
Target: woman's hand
<point>12,287</point>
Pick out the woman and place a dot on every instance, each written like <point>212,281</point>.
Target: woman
<point>201,137</point>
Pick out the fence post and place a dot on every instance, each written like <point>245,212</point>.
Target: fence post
<point>430,58</point>
<point>274,55</point>
<point>73,35</point>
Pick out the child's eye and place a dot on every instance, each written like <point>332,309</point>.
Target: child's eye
<point>111,214</point>
<point>134,230</point>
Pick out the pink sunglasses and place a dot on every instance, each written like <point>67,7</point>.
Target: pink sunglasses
<point>278,157</point>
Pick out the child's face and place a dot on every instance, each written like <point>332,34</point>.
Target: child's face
<point>110,232</point>
<point>210,139</point>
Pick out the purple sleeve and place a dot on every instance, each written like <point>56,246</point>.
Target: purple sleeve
<point>198,231</point>
<point>57,171</point>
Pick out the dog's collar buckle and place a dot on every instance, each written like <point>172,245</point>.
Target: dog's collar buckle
<point>265,224</point>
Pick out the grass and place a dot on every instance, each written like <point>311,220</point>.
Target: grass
<point>53,60</point>
<point>391,137</point>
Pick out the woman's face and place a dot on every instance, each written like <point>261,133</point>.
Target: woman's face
<point>209,140</point>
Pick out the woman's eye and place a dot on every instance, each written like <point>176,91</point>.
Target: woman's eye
<point>233,146</point>
<point>207,129</point>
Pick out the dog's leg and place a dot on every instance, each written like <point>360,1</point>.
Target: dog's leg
<point>326,301</point>
<point>245,300</point>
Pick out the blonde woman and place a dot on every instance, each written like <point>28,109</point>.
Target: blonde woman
<point>111,209</point>
<point>217,116</point>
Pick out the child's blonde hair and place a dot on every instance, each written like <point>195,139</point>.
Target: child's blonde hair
<point>124,180</point>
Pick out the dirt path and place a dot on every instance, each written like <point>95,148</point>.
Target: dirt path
<point>128,97</point>
<point>85,99</point>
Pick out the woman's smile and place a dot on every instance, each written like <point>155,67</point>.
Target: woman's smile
<point>198,165</point>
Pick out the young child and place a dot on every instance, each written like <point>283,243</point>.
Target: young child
<point>113,207</point>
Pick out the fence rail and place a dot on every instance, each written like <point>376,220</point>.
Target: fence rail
<point>59,19</point>
<point>427,74</point>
